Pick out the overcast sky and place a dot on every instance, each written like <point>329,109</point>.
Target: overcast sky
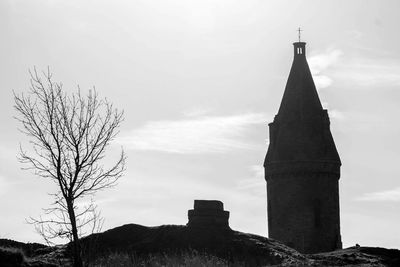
<point>199,81</point>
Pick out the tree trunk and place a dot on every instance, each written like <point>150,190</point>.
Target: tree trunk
<point>76,250</point>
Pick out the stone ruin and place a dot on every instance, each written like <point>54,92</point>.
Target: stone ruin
<point>208,213</point>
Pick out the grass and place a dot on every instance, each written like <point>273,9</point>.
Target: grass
<point>193,259</point>
<point>11,257</point>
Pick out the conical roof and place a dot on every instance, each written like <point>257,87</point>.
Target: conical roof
<point>300,99</point>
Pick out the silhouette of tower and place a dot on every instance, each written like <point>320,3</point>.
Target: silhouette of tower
<point>302,167</point>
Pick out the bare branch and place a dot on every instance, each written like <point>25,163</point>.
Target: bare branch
<point>69,137</point>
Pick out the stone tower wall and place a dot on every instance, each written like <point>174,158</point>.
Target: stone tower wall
<point>303,211</point>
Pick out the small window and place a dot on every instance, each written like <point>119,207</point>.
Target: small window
<point>299,51</point>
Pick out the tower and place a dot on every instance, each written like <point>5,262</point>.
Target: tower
<point>302,167</point>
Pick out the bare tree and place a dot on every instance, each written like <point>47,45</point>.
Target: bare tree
<point>69,134</point>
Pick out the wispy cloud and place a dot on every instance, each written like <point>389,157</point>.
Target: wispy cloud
<point>352,122</point>
<point>371,73</point>
<point>363,67</point>
<point>387,195</point>
<point>194,134</point>
<point>255,183</point>
<point>320,62</point>
<point>336,114</point>
<point>197,112</point>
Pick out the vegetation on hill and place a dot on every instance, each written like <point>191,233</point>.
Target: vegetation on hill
<point>176,245</point>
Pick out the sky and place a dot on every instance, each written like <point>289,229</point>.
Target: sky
<point>199,81</point>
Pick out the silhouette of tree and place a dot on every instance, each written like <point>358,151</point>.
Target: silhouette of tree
<point>69,135</point>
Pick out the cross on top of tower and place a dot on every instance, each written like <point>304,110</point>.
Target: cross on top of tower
<point>299,31</point>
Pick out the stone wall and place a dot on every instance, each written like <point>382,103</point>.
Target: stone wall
<point>303,211</point>
<point>208,213</point>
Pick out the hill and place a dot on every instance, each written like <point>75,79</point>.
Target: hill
<point>177,244</point>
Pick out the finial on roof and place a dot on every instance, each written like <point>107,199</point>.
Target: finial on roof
<point>299,30</point>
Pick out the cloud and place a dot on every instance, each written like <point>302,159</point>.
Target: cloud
<point>336,114</point>
<point>194,134</point>
<point>322,61</point>
<point>371,73</point>
<point>388,195</point>
<point>255,183</point>
<point>322,81</point>
<point>198,111</point>
<point>364,68</point>
<point>351,121</point>
<point>319,63</point>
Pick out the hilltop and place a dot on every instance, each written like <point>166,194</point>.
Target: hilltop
<point>135,243</point>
